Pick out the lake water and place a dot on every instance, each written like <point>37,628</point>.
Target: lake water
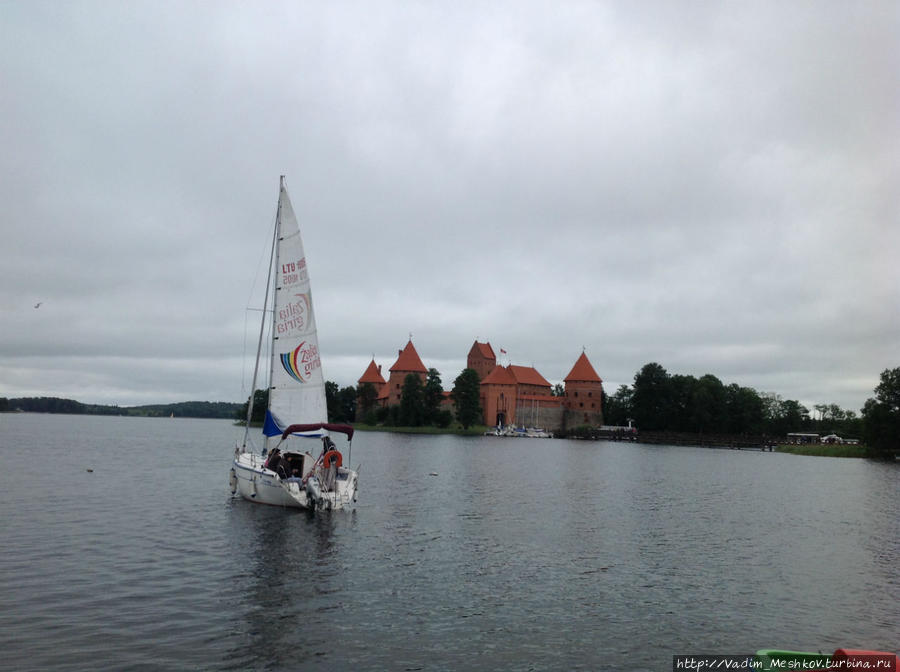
<point>517,555</point>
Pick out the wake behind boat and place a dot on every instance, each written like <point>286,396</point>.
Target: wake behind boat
<point>291,469</point>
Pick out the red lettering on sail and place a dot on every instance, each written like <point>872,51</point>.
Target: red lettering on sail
<point>293,272</point>
<point>294,316</point>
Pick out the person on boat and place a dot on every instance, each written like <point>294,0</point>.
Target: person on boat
<point>284,467</point>
<point>273,460</point>
<point>329,471</point>
<point>293,467</point>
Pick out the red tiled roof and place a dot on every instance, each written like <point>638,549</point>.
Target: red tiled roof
<point>485,350</point>
<point>500,375</point>
<point>583,372</point>
<point>528,375</point>
<point>409,360</point>
<point>372,375</point>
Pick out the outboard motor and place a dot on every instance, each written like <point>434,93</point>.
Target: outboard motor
<point>313,492</point>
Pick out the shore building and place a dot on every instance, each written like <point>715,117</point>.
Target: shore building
<point>583,394</point>
<point>509,395</point>
<point>372,375</point>
<point>408,361</point>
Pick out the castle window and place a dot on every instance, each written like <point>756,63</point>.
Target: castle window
<point>590,394</point>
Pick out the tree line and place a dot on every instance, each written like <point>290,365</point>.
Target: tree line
<point>185,409</point>
<point>657,401</point>
<point>420,403</point>
<point>660,401</point>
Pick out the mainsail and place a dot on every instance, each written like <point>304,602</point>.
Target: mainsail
<point>297,385</point>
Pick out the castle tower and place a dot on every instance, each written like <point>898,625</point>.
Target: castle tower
<point>583,391</point>
<point>372,375</point>
<point>408,361</point>
<point>481,359</point>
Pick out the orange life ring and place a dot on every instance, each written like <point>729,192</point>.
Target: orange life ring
<point>332,456</point>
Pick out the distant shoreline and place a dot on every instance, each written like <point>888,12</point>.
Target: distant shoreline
<point>218,410</point>
<point>226,411</point>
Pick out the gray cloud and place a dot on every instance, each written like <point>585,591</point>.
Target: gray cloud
<point>712,188</point>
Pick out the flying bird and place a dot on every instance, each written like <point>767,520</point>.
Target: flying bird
<point>38,304</point>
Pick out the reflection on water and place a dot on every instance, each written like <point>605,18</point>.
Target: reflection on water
<point>462,553</point>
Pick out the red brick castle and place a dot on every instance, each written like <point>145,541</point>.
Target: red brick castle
<point>511,394</point>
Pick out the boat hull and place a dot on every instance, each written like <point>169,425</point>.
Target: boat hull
<point>258,484</point>
<point>254,483</point>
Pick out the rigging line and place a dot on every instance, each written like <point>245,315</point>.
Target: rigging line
<point>262,325</point>
<point>262,255</point>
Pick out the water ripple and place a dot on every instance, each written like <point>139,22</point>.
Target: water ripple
<point>516,555</point>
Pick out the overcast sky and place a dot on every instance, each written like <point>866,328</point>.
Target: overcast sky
<point>710,186</point>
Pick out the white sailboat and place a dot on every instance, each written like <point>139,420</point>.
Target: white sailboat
<point>299,465</point>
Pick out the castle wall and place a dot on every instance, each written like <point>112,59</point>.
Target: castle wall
<point>548,415</point>
<point>497,400</point>
<point>576,418</point>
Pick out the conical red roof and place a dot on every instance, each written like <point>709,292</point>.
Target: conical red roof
<point>372,375</point>
<point>583,372</point>
<point>409,360</point>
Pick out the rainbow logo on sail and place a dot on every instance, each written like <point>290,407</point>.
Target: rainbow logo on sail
<point>300,362</point>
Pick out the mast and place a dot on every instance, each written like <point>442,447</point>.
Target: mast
<point>276,268</point>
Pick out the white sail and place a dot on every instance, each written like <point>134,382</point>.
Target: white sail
<point>297,385</point>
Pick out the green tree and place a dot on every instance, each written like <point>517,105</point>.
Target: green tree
<point>393,416</point>
<point>651,401</point>
<point>787,416</point>
<point>744,410</point>
<point>443,418</point>
<point>617,409</point>
<point>412,402</point>
<point>260,404</point>
<point>433,395</point>
<point>881,416</point>
<point>466,396</point>
<point>367,395</point>
<point>346,404</point>
<point>383,414</point>
<point>331,400</point>
<point>558,390</point>
<point>680,406</point>
<point>708,405</point>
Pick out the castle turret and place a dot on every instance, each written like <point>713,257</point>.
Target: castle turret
<point>372,376</point>
<point>408,361</point>
<point>481,359</point>
<point>583,392</point>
